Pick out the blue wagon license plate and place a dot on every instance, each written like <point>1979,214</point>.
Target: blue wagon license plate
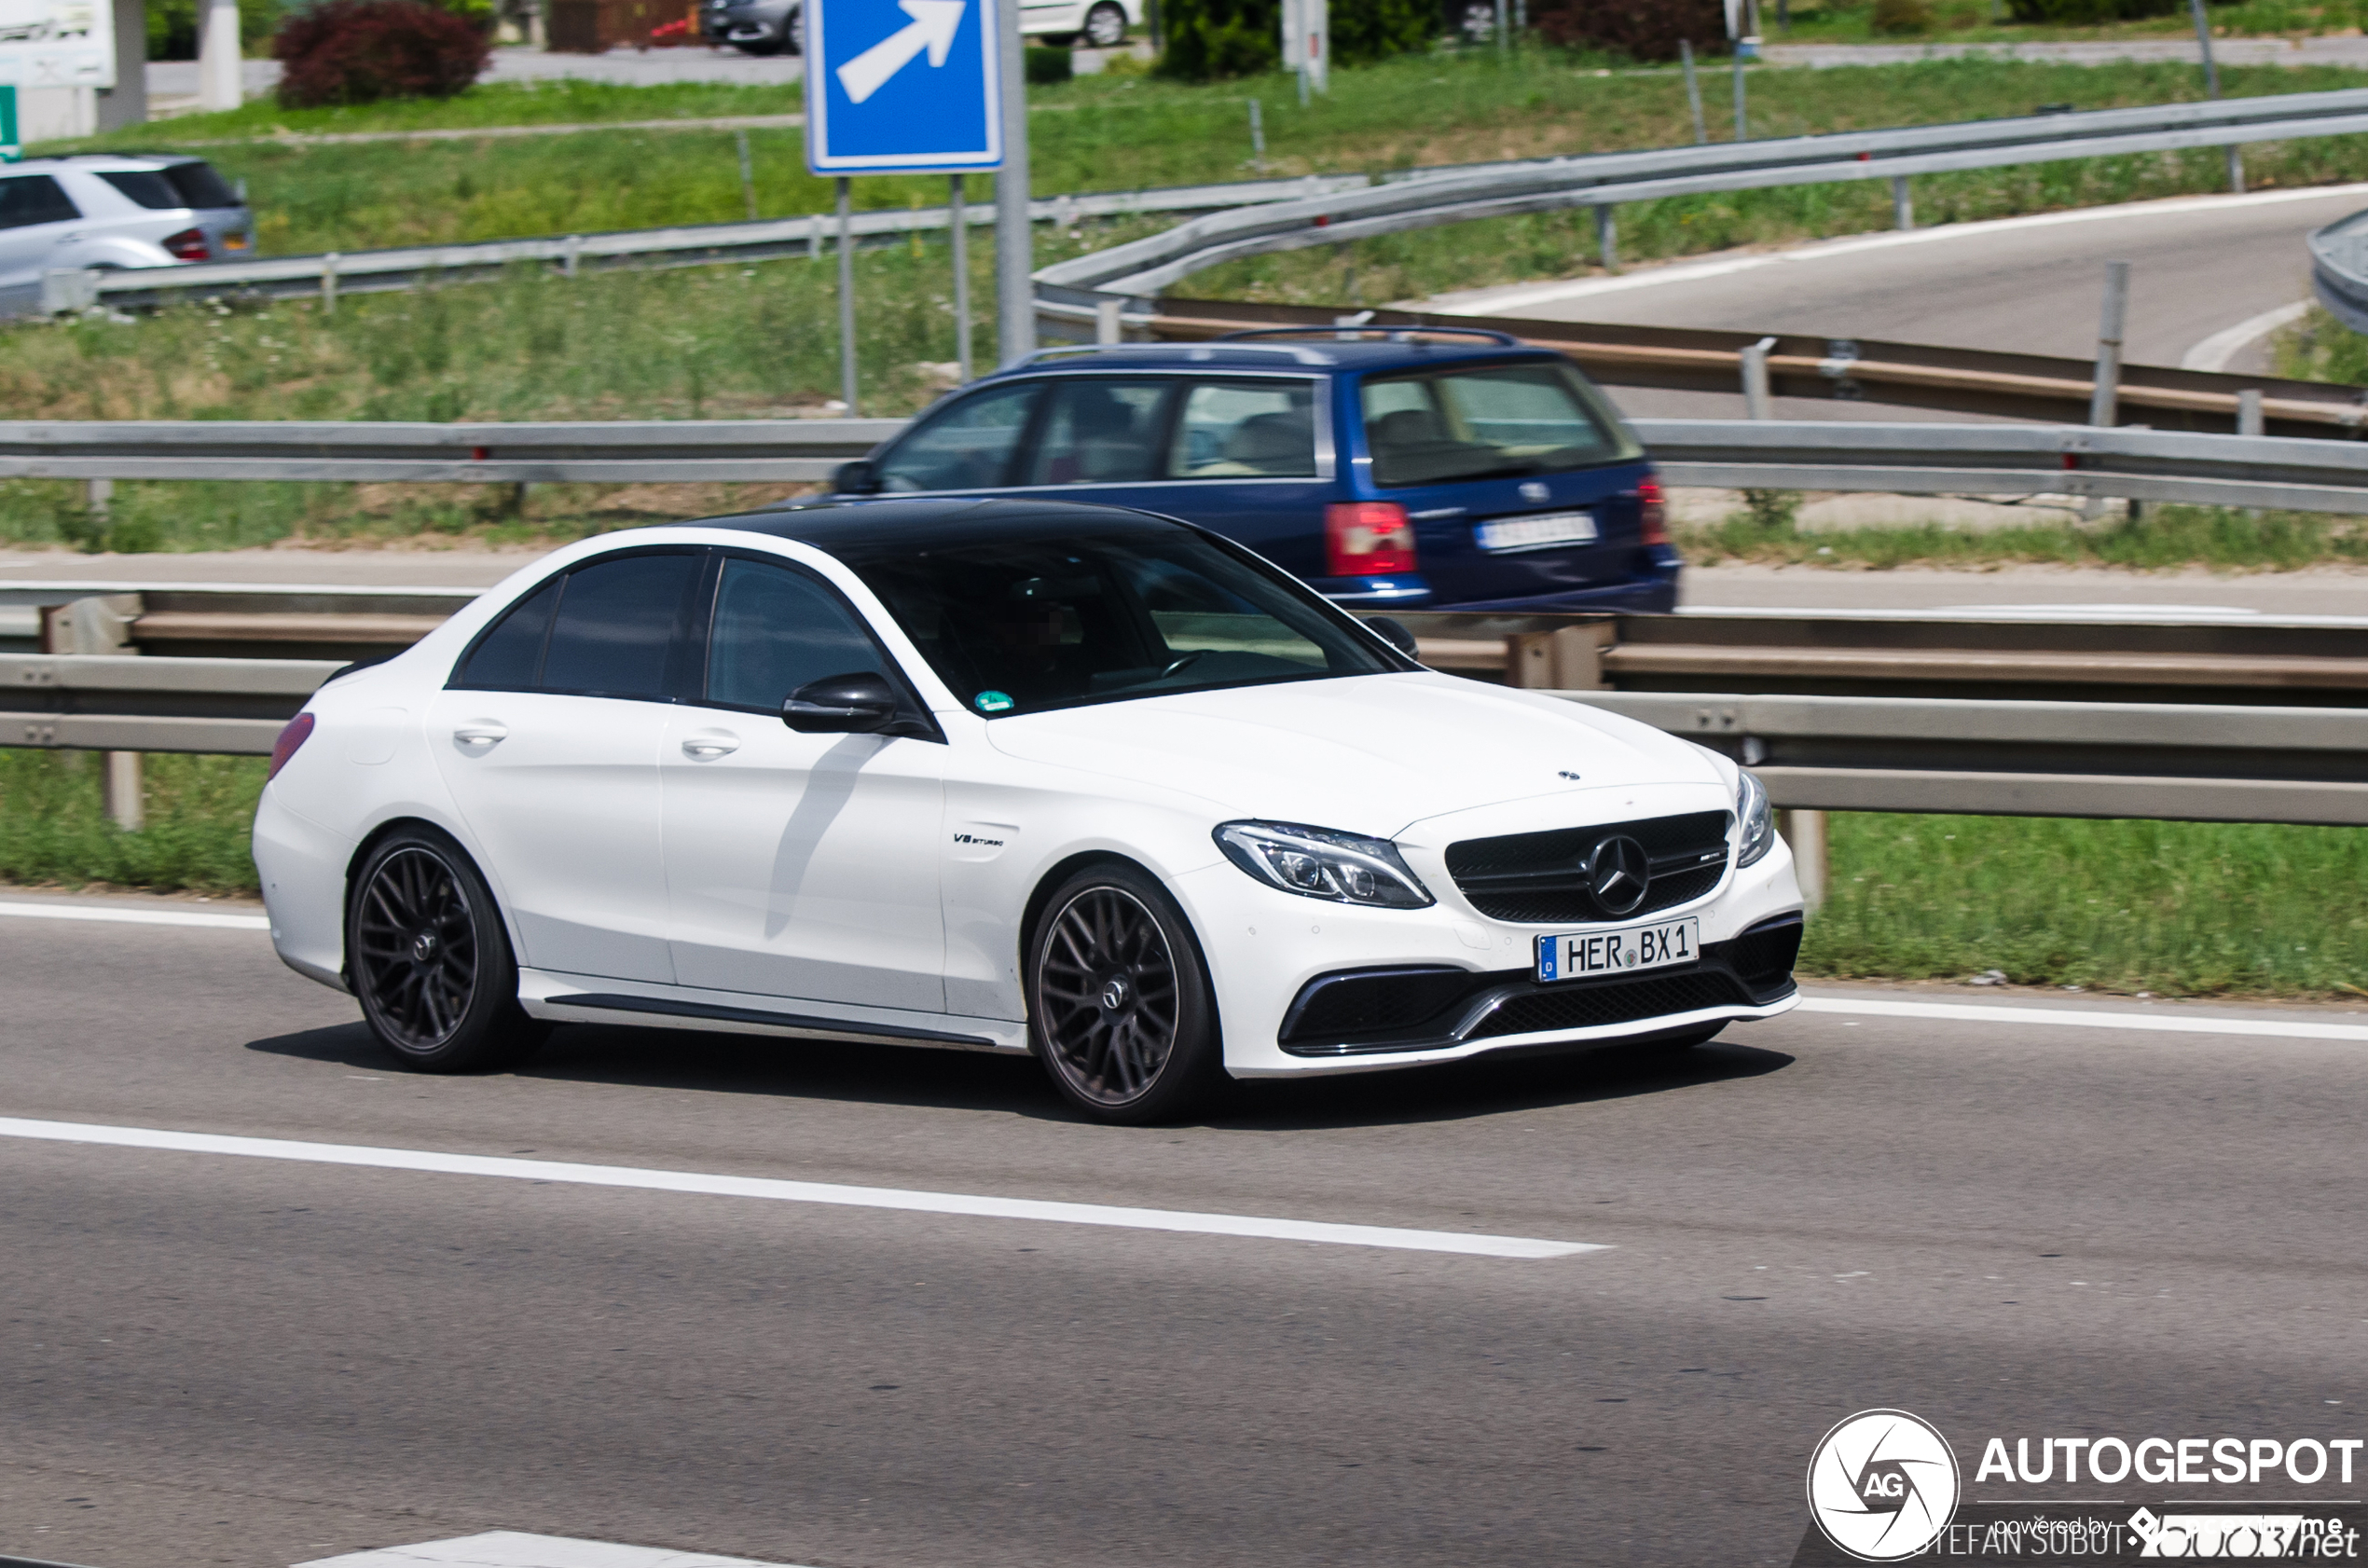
<point>1583,955</point>
<point>1534,533</point>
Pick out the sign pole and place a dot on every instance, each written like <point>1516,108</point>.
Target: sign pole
<point>847,294</point>
<point>961,275</point>
<point>1014,231</point>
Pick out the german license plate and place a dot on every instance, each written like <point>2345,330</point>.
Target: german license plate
<point>1536,533</point>
<point>1585,955</point>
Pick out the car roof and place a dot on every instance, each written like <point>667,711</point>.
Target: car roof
<point>100,163</point>
<point>1311,353</point>
<point>873,528</point>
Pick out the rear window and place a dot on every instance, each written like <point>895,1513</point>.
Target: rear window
<point>26,200</point>
<point>200,186</point>
<point>1487,421</point>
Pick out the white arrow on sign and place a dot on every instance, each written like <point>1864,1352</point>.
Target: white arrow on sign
<point>931,28</point>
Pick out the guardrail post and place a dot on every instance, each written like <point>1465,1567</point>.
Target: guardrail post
<point>2105,391</point>
<point>122,791</point>
<point>1608,236</point>
<point>1903,205</point>
<point>1108,325</point>
<point>1805,832</point>
<point>748,172</point>
<point>2249,419</point>
<point>329,284</point>
<point>96,498</point>
<point>1566,659</point>
<point>102,624</point>
<point>570,253</point>
<point>1741,134</point>
<point>1755,363</point>
<point>1693,92</point>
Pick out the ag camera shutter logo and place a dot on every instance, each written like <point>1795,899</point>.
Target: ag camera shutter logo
<point>1882,1485</point>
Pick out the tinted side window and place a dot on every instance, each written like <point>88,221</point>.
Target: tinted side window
<point>511,654</point>
<point>775,630</point>
<point>147,188</point>
<point>1099,433</point>
<point>967,447</point>
<point>1245,428</point>
<point>31,199</point>
<point>620,626</point>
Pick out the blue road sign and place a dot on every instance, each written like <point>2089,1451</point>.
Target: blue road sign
<point>902,86</point>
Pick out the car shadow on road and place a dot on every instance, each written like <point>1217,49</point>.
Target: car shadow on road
<point>675,1059</point>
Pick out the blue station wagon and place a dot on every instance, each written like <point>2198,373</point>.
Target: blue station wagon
<point>1431,469</point>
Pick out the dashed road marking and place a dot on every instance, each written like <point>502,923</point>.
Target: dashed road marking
<point>2083,1018</point>
<point>137,917</point>
<point>511,1549</point>
<point>966,1204</point>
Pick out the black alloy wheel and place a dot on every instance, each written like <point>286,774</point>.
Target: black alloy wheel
<point>1119,1000</point>
<point>429,960</point>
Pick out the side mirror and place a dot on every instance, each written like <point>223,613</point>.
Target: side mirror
<point>862,703</point>
<point>1393,632</point>
<point>856,478</point>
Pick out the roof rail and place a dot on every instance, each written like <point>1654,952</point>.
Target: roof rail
<point>1301,356</point>
<point>1389,334</point>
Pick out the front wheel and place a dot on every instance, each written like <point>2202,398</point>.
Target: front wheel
<point>1106,26</point>
<point>1119,1009</point>
<point>430,962</point>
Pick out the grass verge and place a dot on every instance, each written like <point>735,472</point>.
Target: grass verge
<point>2176,908</point>
<point>1128,132</point>
<point>1960,22</point>
<point>54,828</point>
<point>2165,538</point>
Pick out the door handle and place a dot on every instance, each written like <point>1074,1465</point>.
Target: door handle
<point>707,748</point>
<point>481,735</point>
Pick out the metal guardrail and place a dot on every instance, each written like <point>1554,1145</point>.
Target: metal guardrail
<point>1428,198</point>
<point>1842,369</point>
<point>1766,454</point>
<point>1868,712</point>
<point>2339,268</point>
<point>406,268</point>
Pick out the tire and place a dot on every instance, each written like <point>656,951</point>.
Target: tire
<point>1120,1008</point>
<point>1105,26</point>
<point>762,48</point>
<point>430,959</point>
<point>1053,40</point>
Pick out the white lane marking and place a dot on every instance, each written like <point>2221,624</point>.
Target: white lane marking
<point>798,1191</point>
<point>1513,304</point>
<point>138,916</point>
<point>512,1548</point>
<point>2214,353</point>
<point>2056,1017</point>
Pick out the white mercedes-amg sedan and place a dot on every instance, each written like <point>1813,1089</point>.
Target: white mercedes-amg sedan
<point>1030,777</point>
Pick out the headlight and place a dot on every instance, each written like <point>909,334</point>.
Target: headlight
<point>1318,864</point>
<point>1755,829</point>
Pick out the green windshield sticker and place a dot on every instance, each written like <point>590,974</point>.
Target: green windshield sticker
<point>992,702</point>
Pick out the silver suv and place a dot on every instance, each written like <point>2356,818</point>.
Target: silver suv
<point>112,209</point>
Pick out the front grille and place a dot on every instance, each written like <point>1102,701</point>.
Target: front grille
<point>1623,1001</point>
<point>1541,879</point>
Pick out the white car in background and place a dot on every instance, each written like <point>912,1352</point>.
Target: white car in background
<point>112,209</point>
<point>1094,24</point>
<point>1008,775</point>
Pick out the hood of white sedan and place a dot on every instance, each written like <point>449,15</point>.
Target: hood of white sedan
<point>1365,754</point>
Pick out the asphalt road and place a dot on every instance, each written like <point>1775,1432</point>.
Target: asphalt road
<point>2006,1228</point>
<point>2199,265</point>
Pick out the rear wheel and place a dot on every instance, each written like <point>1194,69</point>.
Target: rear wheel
<point>430,962</point>
<point>1120,1008</point>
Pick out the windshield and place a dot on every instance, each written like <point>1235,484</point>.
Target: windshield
<point>1487,421</point>
<point>1022,621</point>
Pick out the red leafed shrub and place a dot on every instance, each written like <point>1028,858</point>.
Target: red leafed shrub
<point>358,51</point>
<point>1639,29</point>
